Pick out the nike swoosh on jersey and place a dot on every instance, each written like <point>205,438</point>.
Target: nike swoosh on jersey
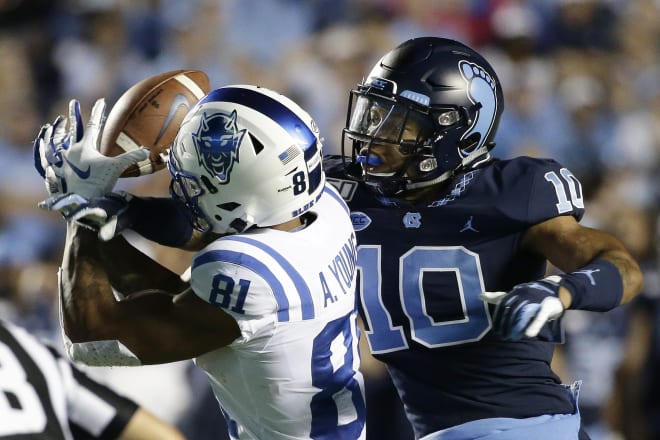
<point>83,174</point>
<point>178,101</point>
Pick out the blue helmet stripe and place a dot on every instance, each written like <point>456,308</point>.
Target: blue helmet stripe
<point>306,301</point>
<point>270,107</point>
<point>254,265</point>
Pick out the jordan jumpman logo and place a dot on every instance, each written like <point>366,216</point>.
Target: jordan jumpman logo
<point>468,226</point>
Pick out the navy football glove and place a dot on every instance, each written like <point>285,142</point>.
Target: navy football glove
<point>526,309</point>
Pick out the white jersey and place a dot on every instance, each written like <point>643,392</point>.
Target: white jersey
<point>293,372</point>
<point>42,395</point>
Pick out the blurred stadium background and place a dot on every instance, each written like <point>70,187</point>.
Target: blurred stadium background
<point>582,85</point>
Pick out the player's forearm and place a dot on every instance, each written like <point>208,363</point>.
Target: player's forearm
<point>631,275</point>
<point>89,309</point>
<point>582,253</point>
<point>591,245</point>
<point>83,342</point>
<point>610,279</point>
<point>83,299</point>
<point>132,272</point>
<point>104,331</point>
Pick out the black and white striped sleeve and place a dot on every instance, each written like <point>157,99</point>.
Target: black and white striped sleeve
<point>43,395</point>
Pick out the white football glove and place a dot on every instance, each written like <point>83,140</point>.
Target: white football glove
<point>70,161</point>
<point>101,214</point>
<point>526,309</point>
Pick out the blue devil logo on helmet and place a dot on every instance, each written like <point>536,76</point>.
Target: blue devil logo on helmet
<point>217,141</point>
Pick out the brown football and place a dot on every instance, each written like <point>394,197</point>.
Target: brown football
<point>149,114</point>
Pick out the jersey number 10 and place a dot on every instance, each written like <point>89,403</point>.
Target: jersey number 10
<point>564,202</point>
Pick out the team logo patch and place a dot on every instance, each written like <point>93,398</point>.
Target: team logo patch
<point>412,220</point>
<point>217,142</point>
<point>482,89</point>
<point>360,221</point>
<point>468,226</point>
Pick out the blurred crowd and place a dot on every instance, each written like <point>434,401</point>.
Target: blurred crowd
<point>582,85</point>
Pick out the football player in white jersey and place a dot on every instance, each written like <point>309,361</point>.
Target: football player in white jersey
<point>43,395</point>
<point>269,312</point>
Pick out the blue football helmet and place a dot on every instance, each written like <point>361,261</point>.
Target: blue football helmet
<point>435,100</point>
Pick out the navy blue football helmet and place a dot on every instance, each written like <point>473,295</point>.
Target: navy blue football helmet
<point>435,100</point>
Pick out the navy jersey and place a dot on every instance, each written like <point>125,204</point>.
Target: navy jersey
<point>422,269</point>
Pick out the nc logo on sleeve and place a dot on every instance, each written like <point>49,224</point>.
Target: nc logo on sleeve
<point>412,220</point>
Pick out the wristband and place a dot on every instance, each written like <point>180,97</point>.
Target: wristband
<point>597,287</point>
<point>160,219</point>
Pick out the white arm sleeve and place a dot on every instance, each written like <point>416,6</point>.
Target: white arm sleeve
<point>107,353</point>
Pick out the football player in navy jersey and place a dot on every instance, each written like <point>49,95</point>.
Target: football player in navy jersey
<point>268,307</point>
<point>454,245</point>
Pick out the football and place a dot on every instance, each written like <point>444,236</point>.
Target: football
<point>149,115</point>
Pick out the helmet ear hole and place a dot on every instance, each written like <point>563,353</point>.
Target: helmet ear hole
<point>229,206</point>
<point>468,144</point>
<point>238,224</point>
<point>256,144</point>
<point>208,185</point>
